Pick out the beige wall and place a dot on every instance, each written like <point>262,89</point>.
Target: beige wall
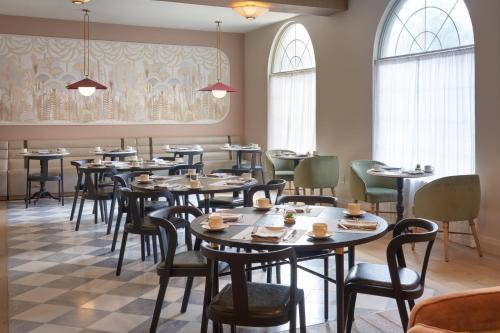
<point>343,44</point>
<point>232,45</point>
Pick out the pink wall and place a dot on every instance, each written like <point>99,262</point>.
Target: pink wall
<point>232,45</point>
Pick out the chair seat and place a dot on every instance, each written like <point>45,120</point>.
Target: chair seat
<point>146,228</point>
<point>381,194</point>
<point>187,259</point>
<point>378,276</point>
<point>225,202</point>
<point>39,177</point>
<point>263,300</point>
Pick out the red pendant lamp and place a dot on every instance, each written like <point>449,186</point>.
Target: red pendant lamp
<point>86,87</point>
<point>219,89</point>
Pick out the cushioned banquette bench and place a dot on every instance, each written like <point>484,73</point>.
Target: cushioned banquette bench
<point>13,172</point>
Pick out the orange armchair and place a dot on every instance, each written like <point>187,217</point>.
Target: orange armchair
<point>474,311</point>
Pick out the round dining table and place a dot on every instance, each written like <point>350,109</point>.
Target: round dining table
<point>400,175</point>
<point>296,158</point>
<point>115,154</point>
<point>190,152</point>
<point>180,186</point>
<point>135,166</point>
<point>241,150</point>
<point>296,237</point>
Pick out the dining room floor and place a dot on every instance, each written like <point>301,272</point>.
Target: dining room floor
<point>61,280</point>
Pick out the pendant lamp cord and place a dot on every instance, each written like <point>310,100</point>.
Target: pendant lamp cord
<point>218,51</point>
<point>86,43</point>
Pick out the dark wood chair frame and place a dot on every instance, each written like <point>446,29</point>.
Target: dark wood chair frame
<point>80,185</point>
<point>396,261</point>
<point>237,263</point>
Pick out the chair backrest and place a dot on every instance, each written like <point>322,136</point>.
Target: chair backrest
<point>168,230</point>
<point>317,172</point>
<point>454,198</point>
<point>359,180</point>
<point>395,254</point>
<point>237,263</point>
<point>134,199</point>
<point>277,185</point>
<point>180,169</point>
<point>77,164</point>
<point>93,176</point>
<point>278,164</point>
<point>308,199</point>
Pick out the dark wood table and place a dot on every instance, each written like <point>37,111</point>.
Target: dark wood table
<point>189,152</point>
<point>301,242</point>
<point>44,176</point>
<point>114,155</point>
<point>130,166</point>
<point>180,186</point>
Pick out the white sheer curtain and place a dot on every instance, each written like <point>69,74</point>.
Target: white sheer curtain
<point>292,111</point>
<point>424,112</point>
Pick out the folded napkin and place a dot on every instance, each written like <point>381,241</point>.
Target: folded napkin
<point>237,182</point>
<point>358,225</point>
<point>263,234</point>
<point>217,175</point>
<point>227,217</point>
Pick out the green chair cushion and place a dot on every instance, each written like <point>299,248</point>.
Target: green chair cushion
<point>381,194</point>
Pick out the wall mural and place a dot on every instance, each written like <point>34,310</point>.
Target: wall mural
<point>147,83</point>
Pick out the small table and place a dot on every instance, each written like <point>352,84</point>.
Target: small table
<point>254,152</point>
<point>292,157</point>
<point>190,152</point>
<point>400,175</point>
<point>179,185</point>
<point>115,154</point>
<point>129,166</point>
<point>43,157</point>
<point>300,242</point>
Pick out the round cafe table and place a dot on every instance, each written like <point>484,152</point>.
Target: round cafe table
<point>180,186</point>
<point>130,166</point>
<point>296,158</point>
<point>189,152</point>
<point>240,150</point>
<point>114,155</point>
<point>300,241</point>
<point>400,175</point>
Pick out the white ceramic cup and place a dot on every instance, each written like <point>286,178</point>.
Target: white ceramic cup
<point>25,150</point>
<point>98,161</point>
<point>254,145</point>
<point>97,148</point>
<point>227,145</point>
<point>377,167</point>
<point>166,147</point>
<point>320,229</point>
<point>263,203</point>
<point>215,221</point>
<point>246,176</point>
<point>130,148</point>
<point>144,177</point>
<point>195,183</point>
<point>428,168</point>
<point>354,208</point>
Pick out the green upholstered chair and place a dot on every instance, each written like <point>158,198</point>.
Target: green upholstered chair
<point>447,199</point>
<point>369,188</point>
<point>278,168</point>
<point>317,172</point>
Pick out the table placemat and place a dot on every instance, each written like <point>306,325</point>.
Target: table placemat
<point>314,211</point>
<point>245,219</point>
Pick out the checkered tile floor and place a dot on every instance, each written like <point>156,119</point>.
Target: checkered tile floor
<point>64,281</point>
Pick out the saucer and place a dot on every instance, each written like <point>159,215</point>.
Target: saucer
<point>195,188</point>
<point>222,227</point>
<point>346,212</point>
<point>262,208</point>
<point>327,235</point>
<point>149,181</point>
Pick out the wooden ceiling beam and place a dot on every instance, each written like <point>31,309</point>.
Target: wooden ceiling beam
<point>301,7</point>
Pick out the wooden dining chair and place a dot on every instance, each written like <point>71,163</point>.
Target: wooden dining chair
<point>394,280</point>
<point>277,185</point>
<point>79,186</point>
<point>243,303</point>
<point>140,224</point>
<point>188,264</point>
<point>323,254</point>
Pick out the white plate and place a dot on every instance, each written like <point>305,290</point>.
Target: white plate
<point>328,235</point>
<point>206,227</point>
<point>346,212</point>
<point>263,208</point>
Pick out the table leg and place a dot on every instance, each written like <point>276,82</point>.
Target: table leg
<point>238,159</point>
<point>190,159</point>
<point>351,256</point>
<point>339,267</point>
<point>399,206</point>
<point>206,199</point>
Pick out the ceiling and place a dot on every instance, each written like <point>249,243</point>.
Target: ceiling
<point>149,13</point>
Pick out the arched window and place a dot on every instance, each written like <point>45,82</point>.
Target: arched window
<point>424,87</point>
<point>292,91</point>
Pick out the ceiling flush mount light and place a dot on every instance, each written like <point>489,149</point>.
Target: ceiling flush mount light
<point>86,87</point>
<point>219,89</point>
<point>250,9</point>
<point>80,2</point>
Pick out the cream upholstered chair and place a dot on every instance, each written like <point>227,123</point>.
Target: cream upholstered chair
<point>447,199</point>
<point>317,172</point>
<point>369,188</point>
